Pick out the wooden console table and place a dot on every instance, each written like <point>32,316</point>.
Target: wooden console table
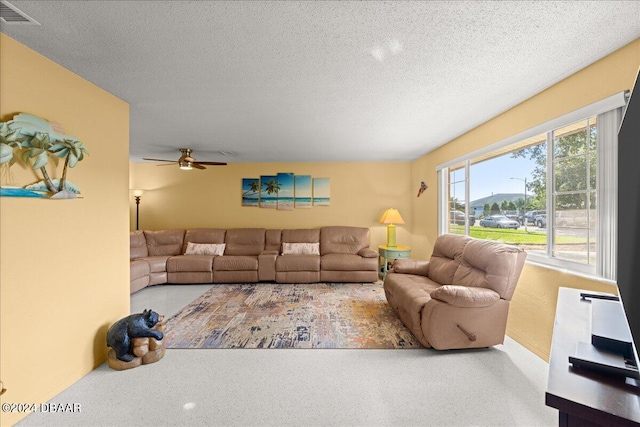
<point>585,397</point>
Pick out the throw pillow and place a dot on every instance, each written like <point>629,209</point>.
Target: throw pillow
<point>301,249</point>
<point>205,249</point>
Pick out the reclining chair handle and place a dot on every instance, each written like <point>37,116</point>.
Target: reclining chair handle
<point>472,337</point>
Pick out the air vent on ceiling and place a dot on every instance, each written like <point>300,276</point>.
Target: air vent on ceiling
<point>11,15</point>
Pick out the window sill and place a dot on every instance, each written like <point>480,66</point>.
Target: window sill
<point>571,272</point>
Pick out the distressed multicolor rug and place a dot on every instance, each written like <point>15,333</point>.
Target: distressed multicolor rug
<point>319,315</point>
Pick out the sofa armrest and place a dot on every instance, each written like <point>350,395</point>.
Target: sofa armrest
<point>368,253</point>
<point>411,266</point>
<point>465,297</point>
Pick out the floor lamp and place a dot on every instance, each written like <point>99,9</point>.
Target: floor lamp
<point>137,194</point>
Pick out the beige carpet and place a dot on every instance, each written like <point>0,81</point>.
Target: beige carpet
<point>320,315</point>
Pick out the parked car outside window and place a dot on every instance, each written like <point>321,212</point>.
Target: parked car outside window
<point>457,217</point>
<point>530,217</point>
<point>499,221</point>
<point>541,221</point>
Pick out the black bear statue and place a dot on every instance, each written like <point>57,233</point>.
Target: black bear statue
<point>138,325</point>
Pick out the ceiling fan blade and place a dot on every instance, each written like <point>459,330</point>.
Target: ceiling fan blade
<point>169,164</point>
<point>197,166</point>
<point>212,163</point>
<point>160,160</point>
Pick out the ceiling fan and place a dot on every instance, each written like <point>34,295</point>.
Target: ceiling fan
<point>186,162</point>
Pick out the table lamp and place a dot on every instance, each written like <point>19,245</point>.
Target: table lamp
<point>391,216</point>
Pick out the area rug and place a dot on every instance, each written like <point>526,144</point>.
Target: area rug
<point>319,315</point>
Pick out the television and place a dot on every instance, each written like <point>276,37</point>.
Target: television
<point>615,320</point>
<point>628,250</point>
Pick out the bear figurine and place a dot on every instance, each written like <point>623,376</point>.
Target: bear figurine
<point>138,325</point>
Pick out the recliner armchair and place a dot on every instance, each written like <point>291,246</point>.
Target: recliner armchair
<point>460,297</point>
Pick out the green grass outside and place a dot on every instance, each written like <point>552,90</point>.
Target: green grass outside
<point>516,237</point>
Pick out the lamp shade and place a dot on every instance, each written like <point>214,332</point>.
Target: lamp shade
<point>137,193</point>
<point>391,216</point>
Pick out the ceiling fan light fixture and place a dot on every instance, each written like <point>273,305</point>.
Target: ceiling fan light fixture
<point>185,165</point>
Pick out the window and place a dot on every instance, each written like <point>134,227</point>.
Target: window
<point>574,192</point>
<point>457,200</point>
<point>541,190</point>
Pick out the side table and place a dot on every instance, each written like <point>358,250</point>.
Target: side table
<point>385,253</point>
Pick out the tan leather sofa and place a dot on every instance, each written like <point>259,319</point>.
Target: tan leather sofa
<point>460,297</point>
<point>252,255</point>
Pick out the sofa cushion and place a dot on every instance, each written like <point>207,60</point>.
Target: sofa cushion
<point>347,262</point>
<point>137,245</point>
<point>205,249</point>
<point>157,264</point>
<point>188,263</point>
<point>245,241</point>
<point>410,290</point>
<point>164,242</point>
<point>138,269</point>
<point>203,235</point>
<point>492,265</point>
<point>235,263</point>
<point>302,235</point>
<point>273,240</point>
<point>445,258</point>
<point>343,240</point>
<point>408,294</point>
<point>298,263</point>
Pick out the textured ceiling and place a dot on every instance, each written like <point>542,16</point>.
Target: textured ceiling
<point>319,81</point>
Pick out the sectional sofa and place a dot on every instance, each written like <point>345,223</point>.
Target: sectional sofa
<point>251,255</point>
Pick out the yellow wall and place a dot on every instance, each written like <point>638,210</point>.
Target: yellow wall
<point>65,270</point>
<point>64,276</point>
<point>533,306</point>
<point>360,193</point>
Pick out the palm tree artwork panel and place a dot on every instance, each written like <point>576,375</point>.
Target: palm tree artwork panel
<point>36,141</point>
<point>269,188</point>
<point>250,191</point>
<point>285,192</point>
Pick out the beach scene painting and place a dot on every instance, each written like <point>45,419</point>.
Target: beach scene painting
<point>303,194</point>
<point>321,193</point>
<point>269,188</point>
<point>285,191</point>
<point>250,191</point>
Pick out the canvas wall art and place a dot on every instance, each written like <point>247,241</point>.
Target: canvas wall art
<point>269,188</point>
<point>250,191</point>
<point>321,193</point>
<point>285,191</point>
<point>40,145</point>
<point>303,192</point>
